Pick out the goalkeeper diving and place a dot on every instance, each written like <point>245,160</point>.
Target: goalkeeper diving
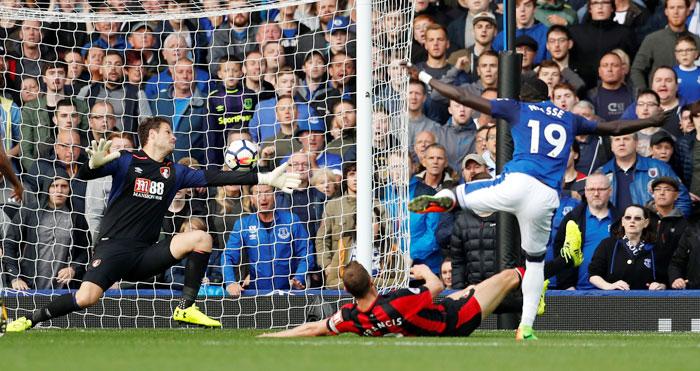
<point>530,183</point>
<point>144,184</point>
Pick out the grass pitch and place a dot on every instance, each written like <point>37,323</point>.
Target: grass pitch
<point>200,349</point>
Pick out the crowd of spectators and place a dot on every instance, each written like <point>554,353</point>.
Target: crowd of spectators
<point>285,79</point>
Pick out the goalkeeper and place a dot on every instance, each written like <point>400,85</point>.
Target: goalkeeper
<point>143,185</point>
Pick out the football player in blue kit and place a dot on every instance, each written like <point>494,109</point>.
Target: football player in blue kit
<point>529,184</point>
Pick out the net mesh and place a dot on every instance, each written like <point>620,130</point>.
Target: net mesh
<point>281,73</point>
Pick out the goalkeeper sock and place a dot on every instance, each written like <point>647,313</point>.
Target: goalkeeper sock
<point>532,290</point>
<point>59,307</point>
<point>197,263</point>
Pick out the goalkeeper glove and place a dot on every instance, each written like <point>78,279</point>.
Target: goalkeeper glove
<point>279,178</point>
<point>99,153</point>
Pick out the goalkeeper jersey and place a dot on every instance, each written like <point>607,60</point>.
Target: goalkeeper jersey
<point>142,190</point>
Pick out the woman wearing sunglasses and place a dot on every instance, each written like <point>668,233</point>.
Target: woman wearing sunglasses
<point>626,261</point>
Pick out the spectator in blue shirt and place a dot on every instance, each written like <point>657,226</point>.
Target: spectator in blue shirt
<point>688,73</point>
<point>526,25</point>
<point>275,243</point>
<point>174,49</point>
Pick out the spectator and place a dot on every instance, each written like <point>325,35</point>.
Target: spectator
<point>255,88</point>
<point>628,260</point>
<point>336,238</point>
<point>695,118</point>
<point>315,88</point>
<point>107,34</point>
<point>312,137</point>
<point>662,146</point>
<point>446,273</point>
<point>688,73</point>
<point>424,248</point>
<point>129,103</point>
<point>185,105</point>
<point>144,44</point>
<point>225,109</point>
<point>175,49</point>
<point>281,267</point>
<point>339,39</point>
<point>280,140</point>
<point>320,39</point>
<point>647,105</point>
<point>292,29</point>
<point>38,127</point>
<point>11,119</point>
<point>594,216</point>
<point>102,121</point>
<point>685,121</point>
<point>76,73</point>
<point>489,154</point>
<point>420,25</point>
<point>526,25</point>
<point>417,121</point>
<point>26,57</point>
<point>327,182</point>
<point>657,49</point>
<point>629,13</point>
<point>548,71</point>
<point>135,71</point>
<point>459,133</point>
<point>234,37</point>
<point>29,90</point>
<point>424,139</point>
<point>437,173</point>
<point>461,35</point>
<point>665,83</point>
<point>597,36</point>
<point>472,165</point>
<point>93,61</point>
<point>564,96</point>
<point>684,270</point>
<point>630,175</point>
<point>527,47</point>
<point>670,222</point>
<point>285,85</point>
<point>343,123</point>
<point>573,179</point>
<point>484,31</point>
<point>97,191</point>
<point>190,28</point>
<point>274,55</point>
<point>47,244</point>
<point>341,75</point>
<point>559,45</point>
<point>555,12</point>
<point>480,140</point>
<point>611,97</point>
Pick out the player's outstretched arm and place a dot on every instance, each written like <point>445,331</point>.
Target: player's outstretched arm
<point>9,174</point>
<point>280,178</point>
<point>622,127</point>
<point>432,282</point>
<point>318,328</point>
<point>99,153</point>
<point>450,91</point>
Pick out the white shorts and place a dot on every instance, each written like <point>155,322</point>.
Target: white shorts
<point>530,200</point>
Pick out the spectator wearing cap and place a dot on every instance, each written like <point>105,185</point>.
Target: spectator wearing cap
<point>526,25</point>
<point>186,108</point>
<point>315,88</point>
<point>129,103</point>
<point>234,37</point>
<point>596,36</point>
<point>484,30</point>
<point>39,116</point>
<point>555,12</point>
<point>472,164</point>
<point>461,35</point>
<point>26,56</point>
<point>332,34</point>
<point>559,45</point>
<point>611,96</point>
<point>47,243</point>
<point>662,146</point>
<point>175,48</point>
<point>107,34</point>
<point>142,41</point>
<point>311,134</point>
<point>670,222</point>
<point>459,133</point>
<point>527,47</point>
<point>658,48</point>
<point>437,44</point>
<point>630,175</point>
<point>339,36</point>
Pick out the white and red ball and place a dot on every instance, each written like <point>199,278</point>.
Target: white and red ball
<point>241,154</point>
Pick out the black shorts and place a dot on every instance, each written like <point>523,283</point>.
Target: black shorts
<point>463,315</point>
<point>131,260</point>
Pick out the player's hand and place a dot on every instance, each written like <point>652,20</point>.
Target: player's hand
<point>65,275</point>
<point>280,178</point>
<point>420,271</point>
<point>296,284</point>
<point>619,285</point>
<point>656,286</point>
<point>412,70</point>
<point>99,153</point>
<point>679,284</point>
<point>19,284</point>
<point>235,289</point>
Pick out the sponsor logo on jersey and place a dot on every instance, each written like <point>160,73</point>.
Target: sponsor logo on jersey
<point>248,103</point>
<point>253,232</point>
<point>165,172</point>
<point>138,170</point>
<point>220,108</point>
<point>653,172</point>
<point>283,233</point>
<point>149,189</point>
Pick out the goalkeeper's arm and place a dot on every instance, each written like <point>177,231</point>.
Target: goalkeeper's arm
<point>101,162</point>
<point>278,178</point>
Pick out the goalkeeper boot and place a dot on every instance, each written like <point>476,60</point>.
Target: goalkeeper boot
<point>21,324</point>
<point>542,304</point>
<point>194,316</point>
<point>525,333</point>
<point>572,244</point>
<point>430,204</point>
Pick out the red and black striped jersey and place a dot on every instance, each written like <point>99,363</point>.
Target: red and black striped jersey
<point>409,312</point>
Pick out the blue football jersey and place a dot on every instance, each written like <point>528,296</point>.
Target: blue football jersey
<point>542,136</point>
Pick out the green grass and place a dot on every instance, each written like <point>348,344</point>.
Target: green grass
<point>199,349</point>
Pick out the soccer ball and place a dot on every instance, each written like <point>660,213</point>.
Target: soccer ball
<point>241,154</point>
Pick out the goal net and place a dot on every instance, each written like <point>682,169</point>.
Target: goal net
<point>279,73</point>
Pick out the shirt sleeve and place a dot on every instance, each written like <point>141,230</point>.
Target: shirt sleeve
<point>110,168</point>
<point>189,178</point>
<point>338,323</point>
<point>507,109</point>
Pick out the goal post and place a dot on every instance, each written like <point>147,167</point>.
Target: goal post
<point>313,83</point>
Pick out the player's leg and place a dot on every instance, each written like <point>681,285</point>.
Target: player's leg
<point>491,292</point>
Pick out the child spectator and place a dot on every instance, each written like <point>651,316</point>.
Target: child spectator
<point>688,73</point>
